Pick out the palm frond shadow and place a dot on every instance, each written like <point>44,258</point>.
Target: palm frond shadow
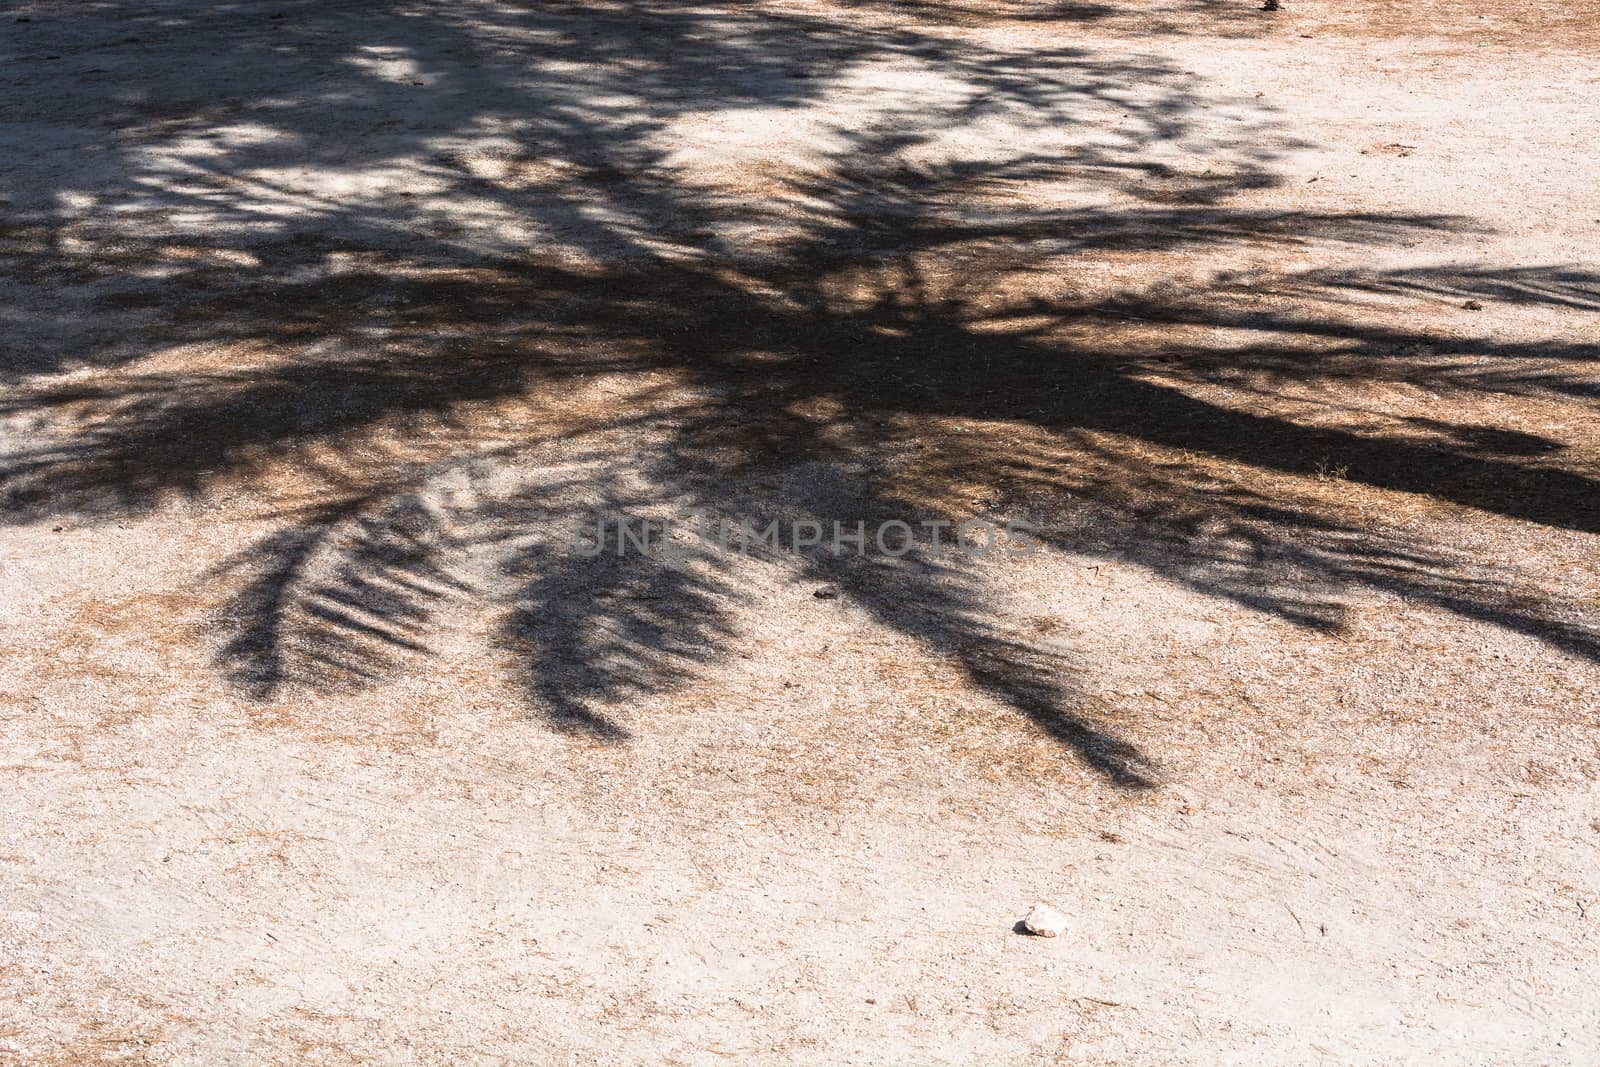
<point>423,406</point>
<point>338,599</point>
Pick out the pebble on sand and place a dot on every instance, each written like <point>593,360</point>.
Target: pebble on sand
<point>1044,921</point>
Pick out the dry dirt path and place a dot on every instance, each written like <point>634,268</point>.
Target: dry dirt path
<point>322,322</point>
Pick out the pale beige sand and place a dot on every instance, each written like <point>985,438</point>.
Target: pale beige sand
<point>311,753</point>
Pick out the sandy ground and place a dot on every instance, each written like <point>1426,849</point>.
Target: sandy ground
<point>321,320</point>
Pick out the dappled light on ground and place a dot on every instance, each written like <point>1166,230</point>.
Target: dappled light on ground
<point>465,275</point>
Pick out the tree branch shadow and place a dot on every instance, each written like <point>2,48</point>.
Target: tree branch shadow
<point>348,366</point>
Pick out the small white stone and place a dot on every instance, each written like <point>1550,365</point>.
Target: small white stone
<point>1044,921</point>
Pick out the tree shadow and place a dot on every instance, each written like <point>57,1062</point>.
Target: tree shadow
<point>905,319</point>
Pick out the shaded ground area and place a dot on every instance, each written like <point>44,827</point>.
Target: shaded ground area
<point>327,323</point>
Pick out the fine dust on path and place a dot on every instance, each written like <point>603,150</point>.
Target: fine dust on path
<point>325,322</point>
